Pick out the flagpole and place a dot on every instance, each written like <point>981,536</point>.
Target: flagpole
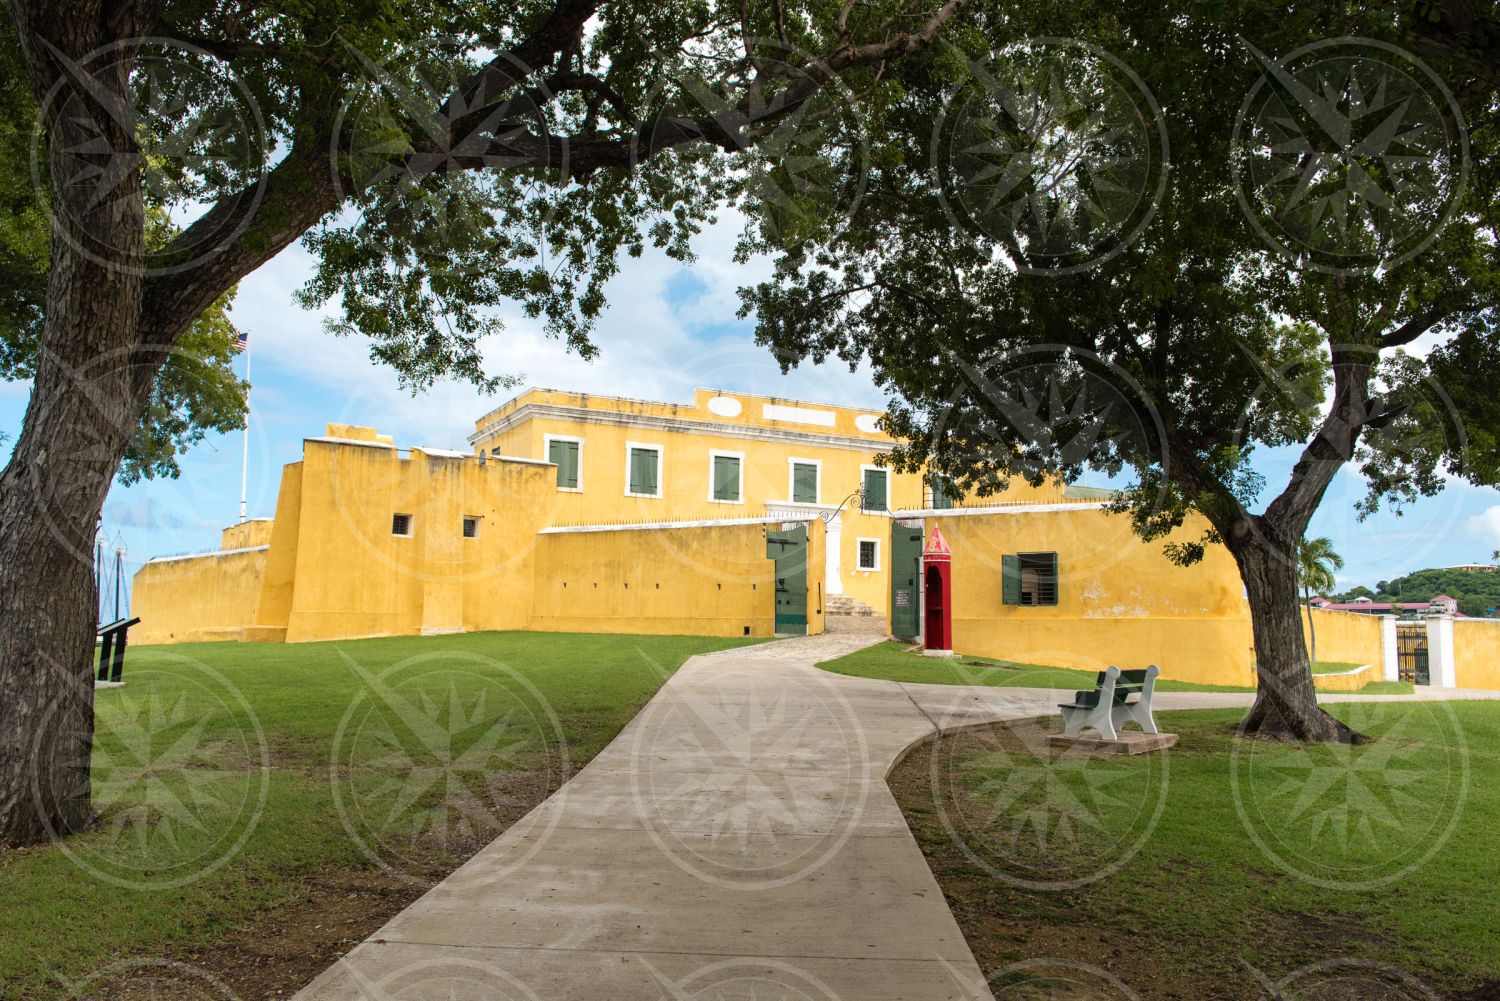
<point>245,455</point>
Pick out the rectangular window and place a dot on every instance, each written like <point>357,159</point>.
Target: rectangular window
<point>643,470</point>
<point>471,527</point>
<point>726,476</point>
<point>942,492</point>
<point>804,482</point>
<point>401,524</point>
<point>1029,579</point>
<point>565,453</point>
<point>869,554</point>
<point>877,489</point>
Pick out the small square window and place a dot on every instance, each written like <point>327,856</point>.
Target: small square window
<point>471,527</point>
<point>1029,579</point>
<point>401,524</point>
<point>869,554</point>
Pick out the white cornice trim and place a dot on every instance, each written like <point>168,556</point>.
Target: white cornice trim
<point>656,422</point>
<point>214,552</point>
<point>642,526</point>
<point>325,440</point>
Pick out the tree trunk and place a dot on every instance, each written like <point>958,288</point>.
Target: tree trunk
<point>85,403</point>
<point>1286,703</point>
<point>1312,629</point>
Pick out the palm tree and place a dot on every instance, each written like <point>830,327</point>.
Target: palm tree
<point>1316,565</point>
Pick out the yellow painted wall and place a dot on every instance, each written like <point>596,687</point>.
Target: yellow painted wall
<point>191,599</point>
<point>334,569</point>
<point>1476,653</point>
<point>353,577</point>
<point>255,532</point>
<point>1350,682</point>
<point>1120,602</point>
<point>1346,636</point>
<point>278,582</point>
<point>712,581</point>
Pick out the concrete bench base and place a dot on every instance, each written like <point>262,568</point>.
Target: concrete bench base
<point>1126,742</point>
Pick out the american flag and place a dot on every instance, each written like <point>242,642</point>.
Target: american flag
<point>241,340</point>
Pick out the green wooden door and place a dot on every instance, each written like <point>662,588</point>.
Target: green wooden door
<point>906,580</point>
<point>788,548</point>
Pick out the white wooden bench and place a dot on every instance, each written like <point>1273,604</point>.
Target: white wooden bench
<point>1109,705</point>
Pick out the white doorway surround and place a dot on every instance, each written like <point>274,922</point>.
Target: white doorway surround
<point>833,563</point>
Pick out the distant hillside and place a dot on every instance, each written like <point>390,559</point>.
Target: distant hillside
<point>1477,590</point>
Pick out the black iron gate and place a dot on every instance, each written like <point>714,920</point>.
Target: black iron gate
<point>1411,652</point>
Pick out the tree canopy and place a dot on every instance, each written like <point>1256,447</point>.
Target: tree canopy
<point>1163,247</point>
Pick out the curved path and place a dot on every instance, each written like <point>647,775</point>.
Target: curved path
<point>736,841</point>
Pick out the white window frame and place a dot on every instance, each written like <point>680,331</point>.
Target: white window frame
<point>547,440</point>
<point>791,480</point>
<point>715,453</point>
<point>478,521</point>
<point>411,525</point>
<point>858,544</point>
<point>884,508</point>
<point>661,468</point>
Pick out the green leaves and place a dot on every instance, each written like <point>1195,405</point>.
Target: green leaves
<point>196,392</point>
<point>1200,343</point>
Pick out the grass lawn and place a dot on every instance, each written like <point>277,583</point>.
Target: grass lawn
<point>1334,666</point>
<point>1224,853</point>
<point>893,661</point>
<point>273,786</point>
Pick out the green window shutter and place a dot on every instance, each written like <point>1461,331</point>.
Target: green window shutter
<point>565,455</point>
<point>804,483</point>
<point>1010,579</point>
<point>643,472</point>
<point>875,490</point>
<point>726,478</point>
<point>942,493</point>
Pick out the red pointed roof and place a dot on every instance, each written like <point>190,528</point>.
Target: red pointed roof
<point>936,544</point>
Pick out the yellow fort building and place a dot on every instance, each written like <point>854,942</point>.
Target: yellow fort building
<point>733,515</point>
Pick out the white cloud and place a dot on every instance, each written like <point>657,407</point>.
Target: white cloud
<point>1486,525</point>
<point>646,347</point>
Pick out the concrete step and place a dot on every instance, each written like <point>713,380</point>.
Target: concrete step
<point>843,604</point>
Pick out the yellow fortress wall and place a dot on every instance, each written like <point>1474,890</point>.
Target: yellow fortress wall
<point>191,599</point>
<point>473,556</point>
<point>1120,602</point>
<point>710,580</point>
<point>431,580</point>
<point>1345,636</point>
<point>247,534</point>
<point>1476,653</point>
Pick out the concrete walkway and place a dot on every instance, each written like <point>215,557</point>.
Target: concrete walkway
<point>736,841</point>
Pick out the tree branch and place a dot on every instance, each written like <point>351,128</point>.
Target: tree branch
<point>1417,326</point>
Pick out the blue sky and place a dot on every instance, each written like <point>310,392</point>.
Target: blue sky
<point>669,328</point>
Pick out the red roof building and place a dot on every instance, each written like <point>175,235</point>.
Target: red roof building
<point>1440,604</point>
